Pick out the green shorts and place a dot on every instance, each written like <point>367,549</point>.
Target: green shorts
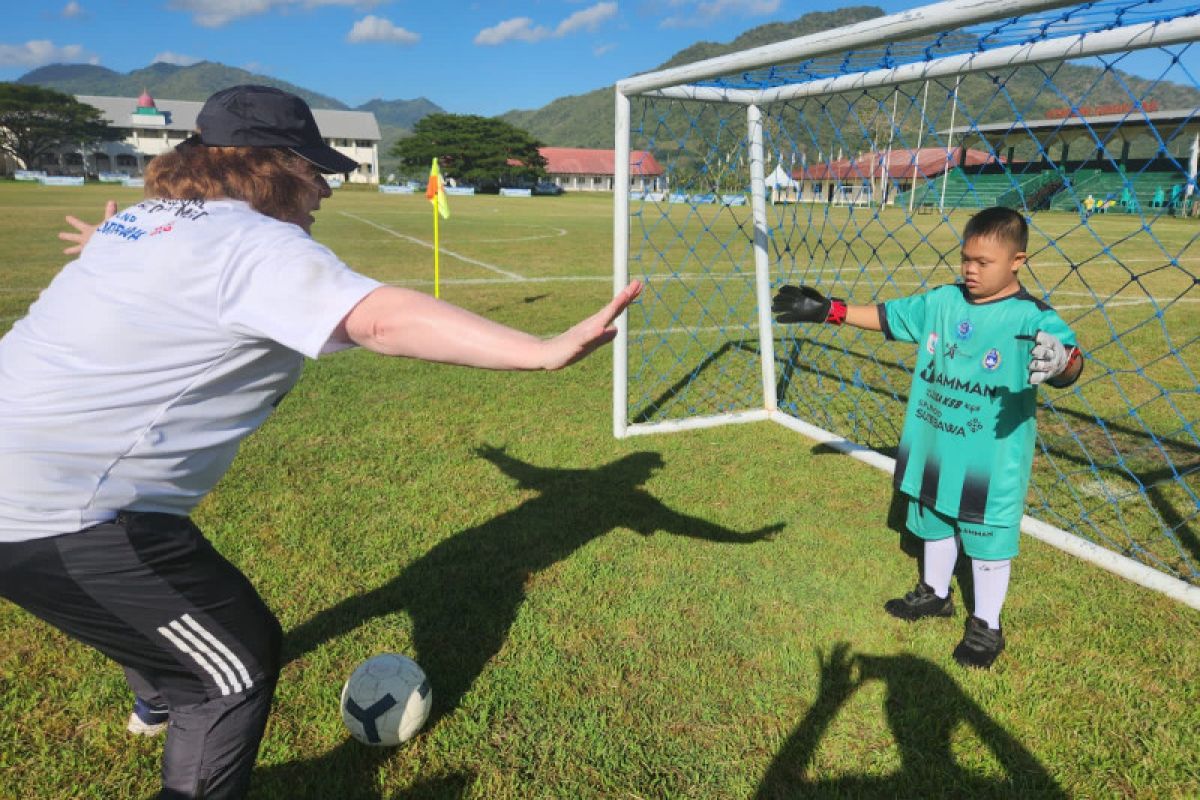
<point>979,540</point>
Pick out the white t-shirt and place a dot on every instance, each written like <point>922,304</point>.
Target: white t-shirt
<point>140,369</point>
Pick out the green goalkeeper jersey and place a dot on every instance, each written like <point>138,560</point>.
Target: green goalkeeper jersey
<point>969,432</point>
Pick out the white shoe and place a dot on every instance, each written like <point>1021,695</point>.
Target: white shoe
<point>136,726</point>
<point>147,720</point>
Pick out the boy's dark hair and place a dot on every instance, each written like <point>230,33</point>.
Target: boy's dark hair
<point>999,223</point>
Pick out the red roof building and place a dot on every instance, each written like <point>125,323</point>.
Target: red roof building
<point>874,177</point>
<point>928,161</point>
<point>583,169</point>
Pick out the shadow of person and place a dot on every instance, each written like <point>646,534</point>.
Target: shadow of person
<point>348,772</point>
<point>464,594</point>
<point>924,707</point>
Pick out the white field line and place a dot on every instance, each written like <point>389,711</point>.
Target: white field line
<point>605,278</point>
<point>1090,262</point>
<point>635,332</point>
<point>490,267</point>
<point>502,281</point>
<point>513,278</point>
<point>558,233</point>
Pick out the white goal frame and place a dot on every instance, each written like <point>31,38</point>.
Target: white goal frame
<point>681,83</point>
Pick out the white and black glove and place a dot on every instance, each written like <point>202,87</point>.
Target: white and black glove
<point>1049,357</point>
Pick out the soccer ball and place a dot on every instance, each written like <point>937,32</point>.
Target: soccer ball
<point>386,700</point>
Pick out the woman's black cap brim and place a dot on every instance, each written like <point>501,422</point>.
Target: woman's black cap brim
<point>326,159</point>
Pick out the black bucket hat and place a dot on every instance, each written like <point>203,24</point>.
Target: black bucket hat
<point>263,116</point>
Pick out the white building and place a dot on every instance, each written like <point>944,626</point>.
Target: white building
<point>150,127</point>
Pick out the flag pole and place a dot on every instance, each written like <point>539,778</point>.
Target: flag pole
<point>436,248</point>
<point>435,192</point>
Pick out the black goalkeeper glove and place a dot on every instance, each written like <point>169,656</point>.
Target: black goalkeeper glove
<point>806,304</point>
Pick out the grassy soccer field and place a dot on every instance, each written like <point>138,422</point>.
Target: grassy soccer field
<point>687,616</point>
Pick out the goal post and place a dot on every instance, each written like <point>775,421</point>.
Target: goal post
<point>850,160</point>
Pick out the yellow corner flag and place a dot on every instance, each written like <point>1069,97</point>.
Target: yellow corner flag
<point>435,192</point>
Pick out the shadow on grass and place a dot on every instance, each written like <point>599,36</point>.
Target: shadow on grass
<point>464,594</point>
<point>350,772</point>
<point>924,707</point>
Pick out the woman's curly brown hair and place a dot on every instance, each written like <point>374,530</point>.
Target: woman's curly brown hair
<point>274,181</point>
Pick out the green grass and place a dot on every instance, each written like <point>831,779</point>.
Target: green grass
<point>599,618</point>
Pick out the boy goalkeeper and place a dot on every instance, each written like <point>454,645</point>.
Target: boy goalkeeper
<point>967,446</point>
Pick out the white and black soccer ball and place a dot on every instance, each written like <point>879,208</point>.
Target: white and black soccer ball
<point>386,700</point>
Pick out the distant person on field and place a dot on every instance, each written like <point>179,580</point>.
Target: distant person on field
<point>967,446</point>
<point>1127,201</point>
<point>126,390</point>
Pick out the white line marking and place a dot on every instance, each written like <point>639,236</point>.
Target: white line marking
<point>492,267</point>
<point>558,233</point>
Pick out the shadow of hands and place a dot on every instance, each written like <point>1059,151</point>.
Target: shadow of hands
<point>764,534</point>
<point>838,680</point>
<point>925,708</point>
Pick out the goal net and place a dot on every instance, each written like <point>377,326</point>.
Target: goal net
<point>849,160</point>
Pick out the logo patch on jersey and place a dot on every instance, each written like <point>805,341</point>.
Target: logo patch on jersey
<point>964,329</point>
<point>991,359</point>
<point>931,343</point>
<point>975,425</point>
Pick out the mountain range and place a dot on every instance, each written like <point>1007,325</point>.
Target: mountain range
<point>566,122</point>
<point>586,120</point>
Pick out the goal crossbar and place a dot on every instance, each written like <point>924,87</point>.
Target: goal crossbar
<point>1142,35</point>
<point>894,27</point>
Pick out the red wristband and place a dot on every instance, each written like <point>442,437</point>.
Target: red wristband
<point>1061,381</point>
<point>837,311</point>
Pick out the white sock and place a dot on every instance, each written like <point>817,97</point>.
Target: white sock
<point>940,555</point>
<point>991,587</point>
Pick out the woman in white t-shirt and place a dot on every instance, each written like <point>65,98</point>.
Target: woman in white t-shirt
<point>125,392</point>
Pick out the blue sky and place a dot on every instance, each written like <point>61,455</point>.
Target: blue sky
<point>468,57</point>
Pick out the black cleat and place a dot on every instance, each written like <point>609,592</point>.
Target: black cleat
<point>980,644</point>
<point>921,602</point>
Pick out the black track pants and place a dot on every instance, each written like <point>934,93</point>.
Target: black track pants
<point>151,593</point>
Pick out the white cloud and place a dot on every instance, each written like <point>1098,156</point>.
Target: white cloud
<point>600,50</point>
<point>377,29</point>
<point>705,12</point>
<point>518,28</point>
<point>587,19</point>
<point>523,29</point>
<point>72,9</point>
<point>167,57</point>
<point>215,13</point>
<point>38,52</point>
